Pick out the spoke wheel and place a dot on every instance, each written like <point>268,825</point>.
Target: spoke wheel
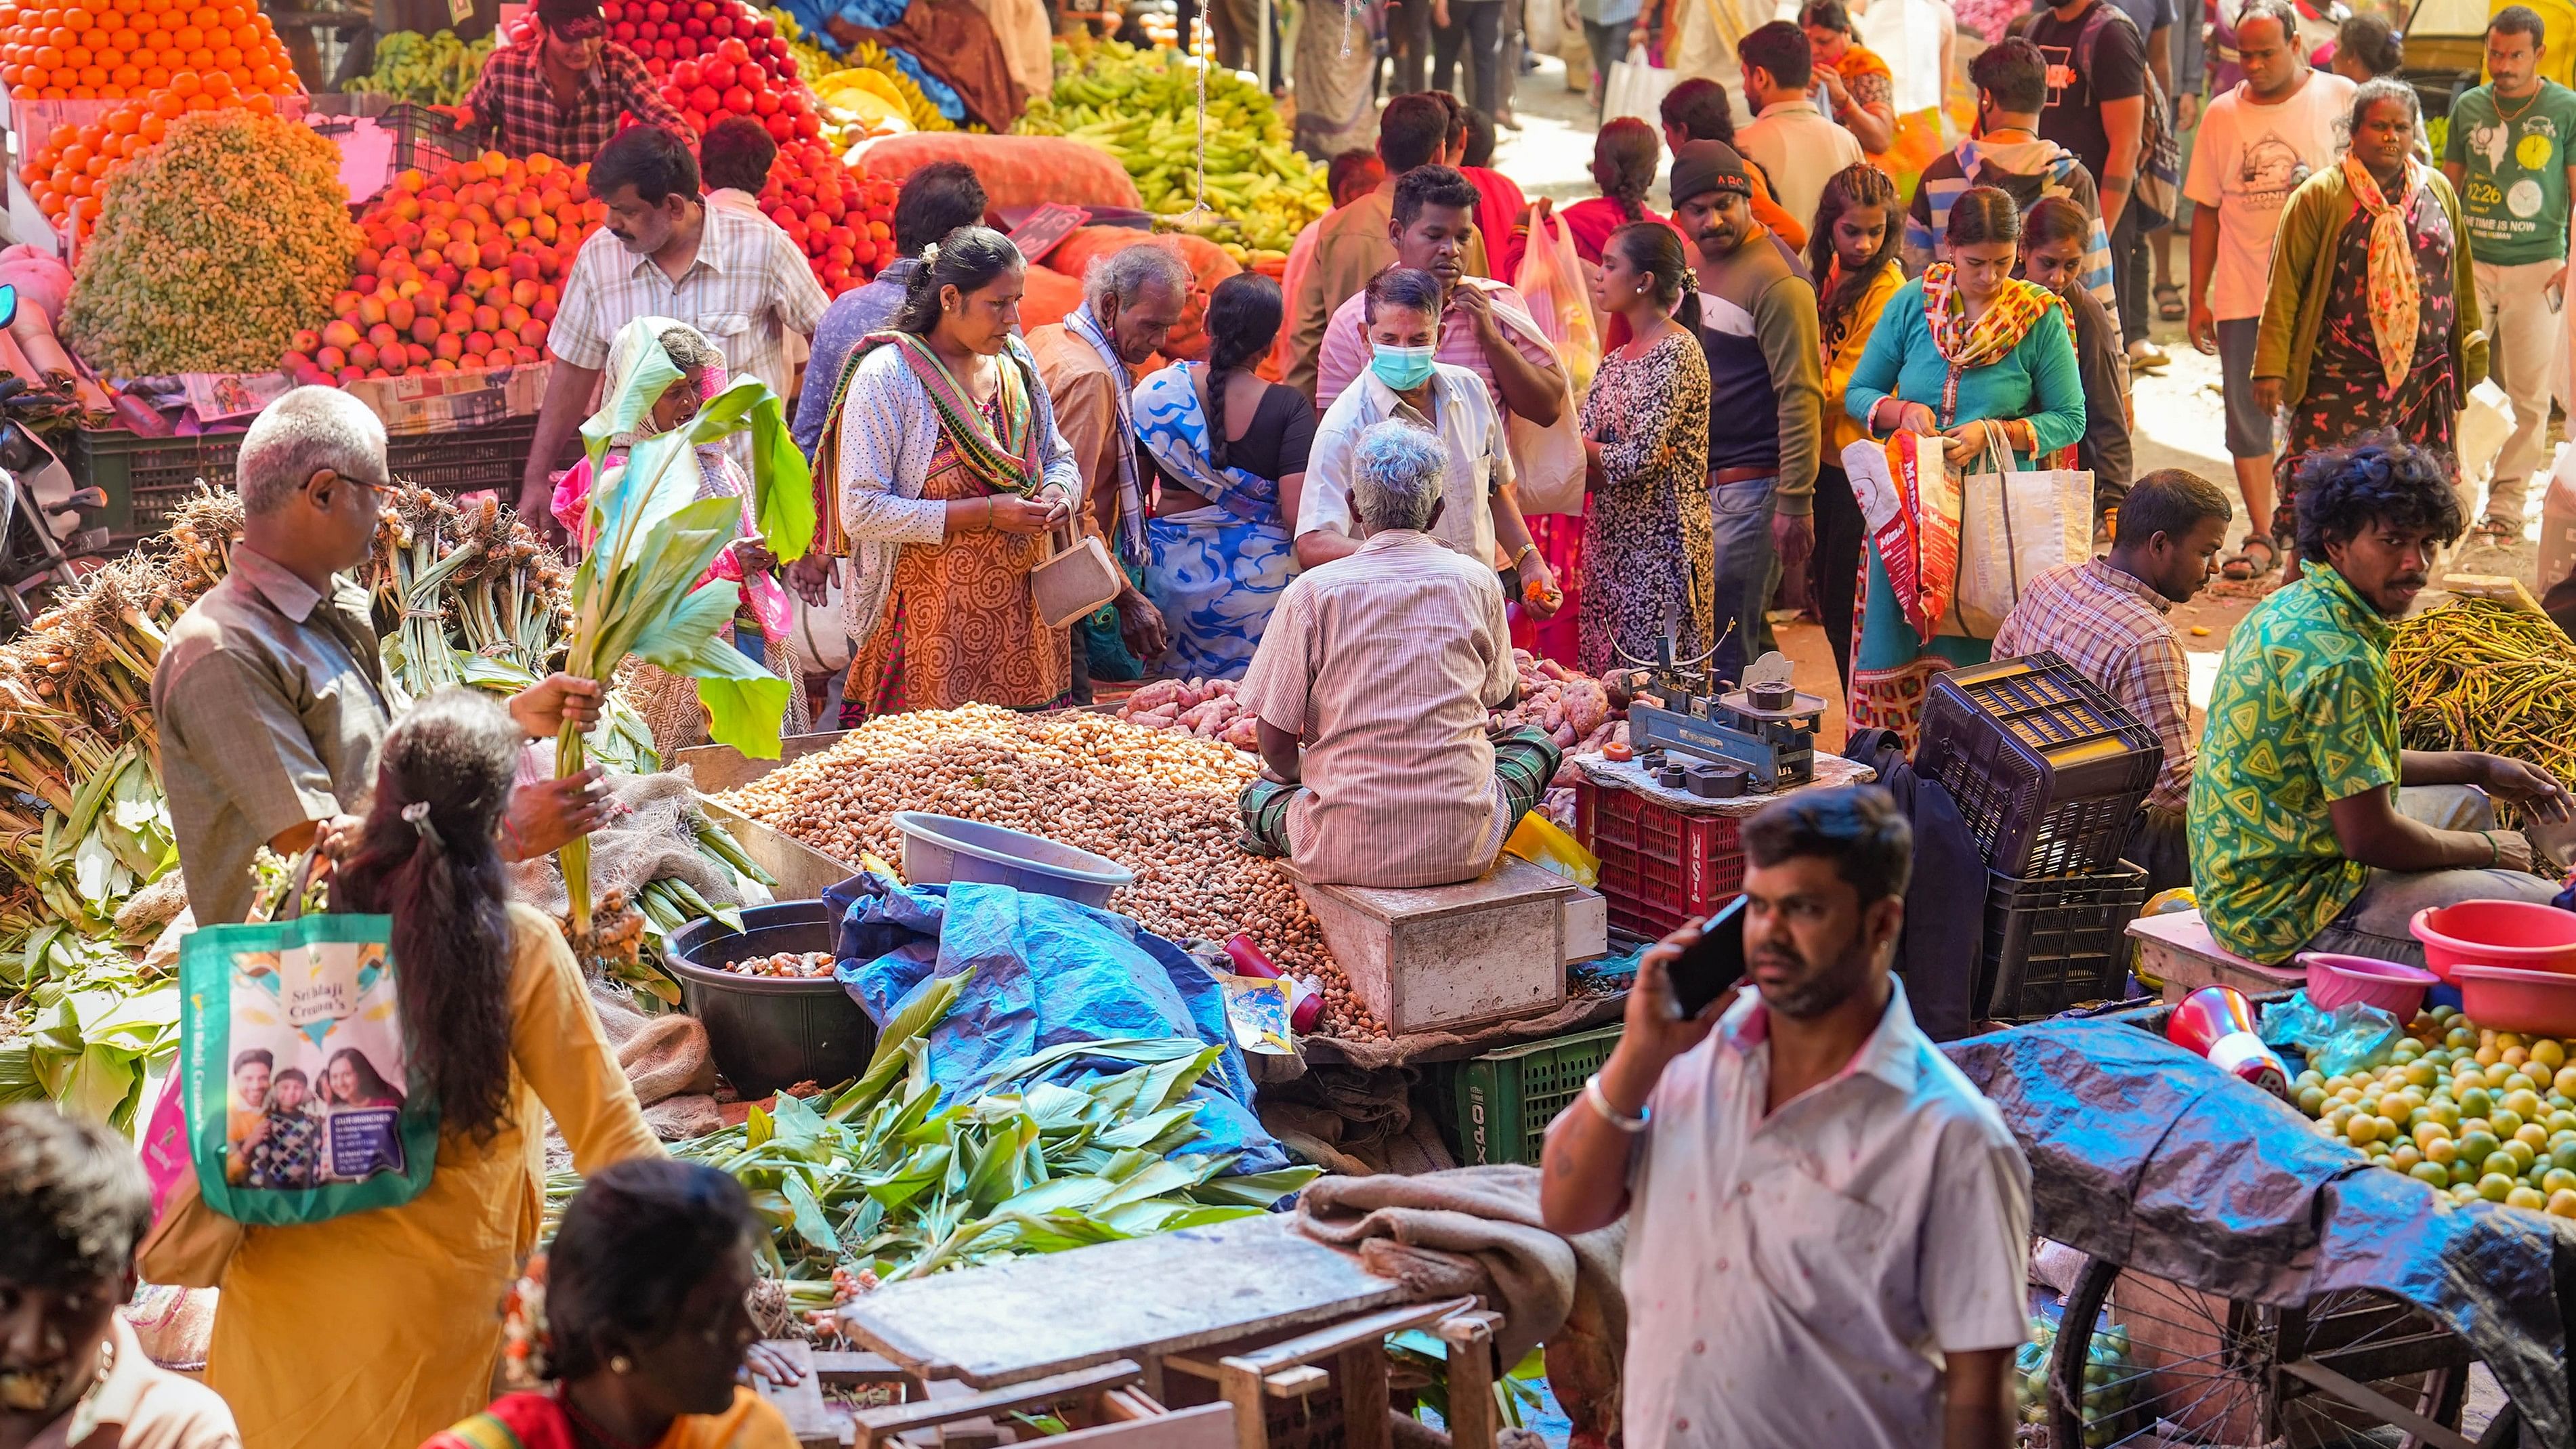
<point>2142,1361</point>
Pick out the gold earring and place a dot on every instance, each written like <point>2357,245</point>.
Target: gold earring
<point>620,1364</point>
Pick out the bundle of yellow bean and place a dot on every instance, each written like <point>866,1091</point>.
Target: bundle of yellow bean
<point>2479,675</point>
<point>1162,805</point>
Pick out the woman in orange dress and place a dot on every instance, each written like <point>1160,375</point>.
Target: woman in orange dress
<point>1861,84</point>
<point>949,473</point>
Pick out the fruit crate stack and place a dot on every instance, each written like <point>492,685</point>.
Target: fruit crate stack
<point>2049,772</point>
<point>1660,867</point>
<point>146,479</point>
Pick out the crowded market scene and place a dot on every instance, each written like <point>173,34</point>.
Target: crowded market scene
<point>1901,669</point>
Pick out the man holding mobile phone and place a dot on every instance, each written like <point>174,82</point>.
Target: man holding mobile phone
<point>1816,1197</point>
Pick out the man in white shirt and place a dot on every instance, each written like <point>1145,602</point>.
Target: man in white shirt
<point>1788,136</point>
<point>2271,131</point>
<point>1480,516</point>
<point>666,253</point>
<point>1829,1227</point>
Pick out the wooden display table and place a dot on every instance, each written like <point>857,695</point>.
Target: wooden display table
<point>2177,949</point>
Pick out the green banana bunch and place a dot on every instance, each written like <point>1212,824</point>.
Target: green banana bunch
<point>432,70</point>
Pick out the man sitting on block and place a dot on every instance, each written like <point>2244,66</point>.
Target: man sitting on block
<point>2311,829</point>
<point>1387,663</point>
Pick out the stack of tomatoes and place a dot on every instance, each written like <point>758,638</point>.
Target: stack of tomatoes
<point>459,270</point>
<point>843,221</point>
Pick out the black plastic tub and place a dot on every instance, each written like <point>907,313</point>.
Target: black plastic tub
<point>769,1032</point>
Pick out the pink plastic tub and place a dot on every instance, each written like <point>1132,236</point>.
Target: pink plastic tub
<point>2391,986</point>
<point>2538,1003</point>
<point>2520,934</point>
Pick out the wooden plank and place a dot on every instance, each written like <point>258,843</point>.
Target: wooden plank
<point>879,1424</point>
<point>718,768</point>
<point>1365,1330</point>
<point>800,1403</point>
<point>1209,1426</point>
<point>1003,1323</point>
<point>802,871</point>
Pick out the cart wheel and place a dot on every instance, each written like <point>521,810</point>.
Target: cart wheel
<point>2139,1360</point>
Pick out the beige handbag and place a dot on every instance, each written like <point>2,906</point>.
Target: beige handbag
<point>1077,578</point>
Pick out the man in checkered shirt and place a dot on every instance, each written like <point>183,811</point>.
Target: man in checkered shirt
<point>563,95</point>
<point>2106,617</point>
<point>666,253</point>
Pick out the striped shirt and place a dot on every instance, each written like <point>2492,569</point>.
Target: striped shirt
<point>2028,170</point>
<point>746,289</point>
<point>1346,353</point>
<point>1386,663</point>
<point>2111,626</point>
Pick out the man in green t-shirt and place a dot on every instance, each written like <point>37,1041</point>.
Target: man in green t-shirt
<point>2310,828</point>
<point>2508,159</point>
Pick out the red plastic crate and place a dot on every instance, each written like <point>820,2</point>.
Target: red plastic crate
<point>1660,867</point>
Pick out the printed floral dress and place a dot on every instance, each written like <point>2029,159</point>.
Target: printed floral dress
<point>1648,548</point>
<point>2348,388</point>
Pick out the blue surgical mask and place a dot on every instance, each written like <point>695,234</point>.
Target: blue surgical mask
<point>1401,368</point>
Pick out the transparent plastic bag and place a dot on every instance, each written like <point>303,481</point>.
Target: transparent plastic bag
<point>2352,1037</point>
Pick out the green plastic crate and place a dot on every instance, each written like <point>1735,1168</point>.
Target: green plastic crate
<point>1505,1099</point>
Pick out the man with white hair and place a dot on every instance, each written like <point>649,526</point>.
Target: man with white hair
<point>1131,301</point>
<point>270,696</point>
<point>1386,662</point>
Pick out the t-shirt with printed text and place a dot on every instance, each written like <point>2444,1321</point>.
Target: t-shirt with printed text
<point>2513,194</point>
<point>2248,160</point>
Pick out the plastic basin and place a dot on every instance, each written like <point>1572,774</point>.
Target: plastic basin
<point>2537,1003</point>
<point>2393,987</point>
<point>942,849</point>
<point>769,1032</point>
<point>2522,934</point>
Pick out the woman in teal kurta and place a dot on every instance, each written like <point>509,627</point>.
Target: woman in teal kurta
<point>1972,355</point>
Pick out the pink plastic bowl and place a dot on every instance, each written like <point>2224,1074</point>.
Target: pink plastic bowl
<point>2519,934</point>
<point>2392,987</point>
<point>2538,1003</point>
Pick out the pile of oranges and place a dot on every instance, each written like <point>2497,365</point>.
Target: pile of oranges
<point>68,174</point>
<point>115,49</point>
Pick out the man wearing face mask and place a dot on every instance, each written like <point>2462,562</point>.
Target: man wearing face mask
<point>1485,326</point>
<point>1480,514</point>
<point>563,94</point>
<point>73,1205</point>
<point>1766,393</point>
<point>1815,1196</point>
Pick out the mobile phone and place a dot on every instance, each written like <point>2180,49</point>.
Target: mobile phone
<point>1712,963</point>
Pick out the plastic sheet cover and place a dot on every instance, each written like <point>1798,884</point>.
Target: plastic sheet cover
<point>1047,972</point>
<point>2142,1153</point>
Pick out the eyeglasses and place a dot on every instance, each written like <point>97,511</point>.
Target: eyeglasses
<point>378,489</point>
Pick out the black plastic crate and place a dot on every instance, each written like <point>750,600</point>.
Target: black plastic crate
<point>146,479</point>
<point>2047,768</point>
<point>2056,942</point>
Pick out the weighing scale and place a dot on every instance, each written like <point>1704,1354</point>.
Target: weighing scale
<point>1765,726</point>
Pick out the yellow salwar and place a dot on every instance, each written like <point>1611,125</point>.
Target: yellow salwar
<point>379,1329</point>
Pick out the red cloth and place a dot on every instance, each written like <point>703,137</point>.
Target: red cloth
<point>1593,221</point>
<point>1559,537</point>
<point>1501,213</point>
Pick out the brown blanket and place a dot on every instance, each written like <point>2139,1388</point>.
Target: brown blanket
<point>1477,1230</point>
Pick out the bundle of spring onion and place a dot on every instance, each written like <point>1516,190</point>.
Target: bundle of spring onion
<point>2474,674</point>
<point>88,859</point>
<point>890,1181</point>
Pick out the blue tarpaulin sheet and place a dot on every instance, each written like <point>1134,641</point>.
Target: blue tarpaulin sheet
<point>2146,1155</point>
<point>1047,972</point>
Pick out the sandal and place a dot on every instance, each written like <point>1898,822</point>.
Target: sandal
<point>2245,568</point>
<point>2169,302</point>
<point>2496,533</point>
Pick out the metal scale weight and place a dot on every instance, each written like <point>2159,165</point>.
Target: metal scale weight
<point>1764,727</point>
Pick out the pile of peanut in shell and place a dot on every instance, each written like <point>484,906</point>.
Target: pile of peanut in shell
<point>1161,804</point>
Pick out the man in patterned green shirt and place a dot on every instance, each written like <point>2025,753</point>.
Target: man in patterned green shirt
<point>2310,828</point>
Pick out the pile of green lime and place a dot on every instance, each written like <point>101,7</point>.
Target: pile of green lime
<point>2473,1112</point>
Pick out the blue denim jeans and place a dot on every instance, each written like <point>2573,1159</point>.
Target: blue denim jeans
<point>1748,571</point>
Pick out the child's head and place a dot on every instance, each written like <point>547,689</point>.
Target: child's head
<point>287,1090</point>
<point>693,354</point>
